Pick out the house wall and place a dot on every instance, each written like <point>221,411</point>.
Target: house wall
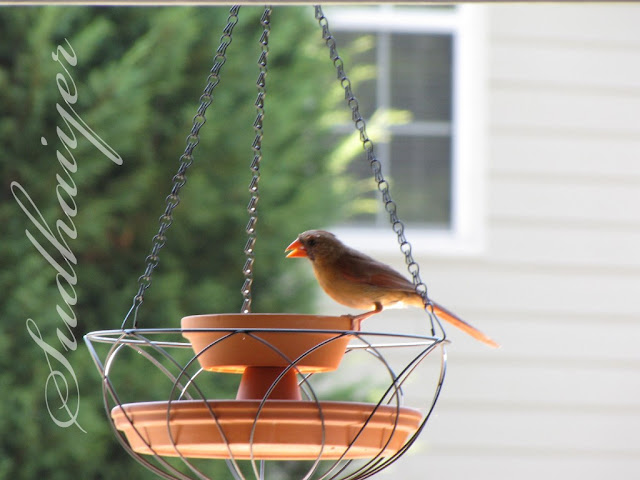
<point>558,280</point>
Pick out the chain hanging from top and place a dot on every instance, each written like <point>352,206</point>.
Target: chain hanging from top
<point>252,208</point>
<point>186,159</point>
<point>376,168</point>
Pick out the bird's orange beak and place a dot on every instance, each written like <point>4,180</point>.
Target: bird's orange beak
<point>296,249</point>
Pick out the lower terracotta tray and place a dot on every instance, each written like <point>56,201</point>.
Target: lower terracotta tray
<point>284,430</point>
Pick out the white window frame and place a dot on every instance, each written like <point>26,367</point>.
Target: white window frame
<point>467,24</point>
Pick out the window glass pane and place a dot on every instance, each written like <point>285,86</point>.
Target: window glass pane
<point>416,71</point>
<point>421,75</point>
<point>367,209</point>
<point>420,179</point>
<point>358,50</point>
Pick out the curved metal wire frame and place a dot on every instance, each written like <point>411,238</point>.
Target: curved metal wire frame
<point>185,386</point>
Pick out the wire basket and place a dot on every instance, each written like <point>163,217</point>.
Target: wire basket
<point>294,403</point>
<point>337,402</point>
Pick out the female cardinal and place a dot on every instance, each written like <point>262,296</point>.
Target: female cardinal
<point>358,281</point>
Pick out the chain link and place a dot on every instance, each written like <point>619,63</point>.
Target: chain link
<point>376,167</point>
<point>186,159</point>
<point>252,208</point>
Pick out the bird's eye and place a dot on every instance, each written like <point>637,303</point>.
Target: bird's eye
<point>311,242</point>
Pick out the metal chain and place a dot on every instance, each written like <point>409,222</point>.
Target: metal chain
<point>186,159</point>
<point>252,208</point>
<point>376,168</point>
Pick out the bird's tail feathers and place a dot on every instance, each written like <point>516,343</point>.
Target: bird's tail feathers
<point>456,321</point>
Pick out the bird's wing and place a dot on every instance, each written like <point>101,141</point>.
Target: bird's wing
<point>361,268</point>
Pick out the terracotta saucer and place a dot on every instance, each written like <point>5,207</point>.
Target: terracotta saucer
<point>284,429</point>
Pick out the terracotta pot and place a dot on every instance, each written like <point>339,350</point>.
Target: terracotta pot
<point>284,429</point>
<point>267,349</point>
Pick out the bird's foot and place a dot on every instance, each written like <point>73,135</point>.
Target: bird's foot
<point>356,320</point>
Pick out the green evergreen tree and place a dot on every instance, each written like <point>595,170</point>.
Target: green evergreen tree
<point>139,74</point>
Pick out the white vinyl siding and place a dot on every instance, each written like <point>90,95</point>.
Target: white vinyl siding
<point>557,281</point>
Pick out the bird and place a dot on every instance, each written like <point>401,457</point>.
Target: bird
<point>356,280</point>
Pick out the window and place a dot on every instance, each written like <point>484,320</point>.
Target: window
<point>427,60</point>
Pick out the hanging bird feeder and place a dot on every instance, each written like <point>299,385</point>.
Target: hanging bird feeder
<point>278,413</point>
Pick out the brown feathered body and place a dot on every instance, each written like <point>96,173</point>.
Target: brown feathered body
<point>356,280</point>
